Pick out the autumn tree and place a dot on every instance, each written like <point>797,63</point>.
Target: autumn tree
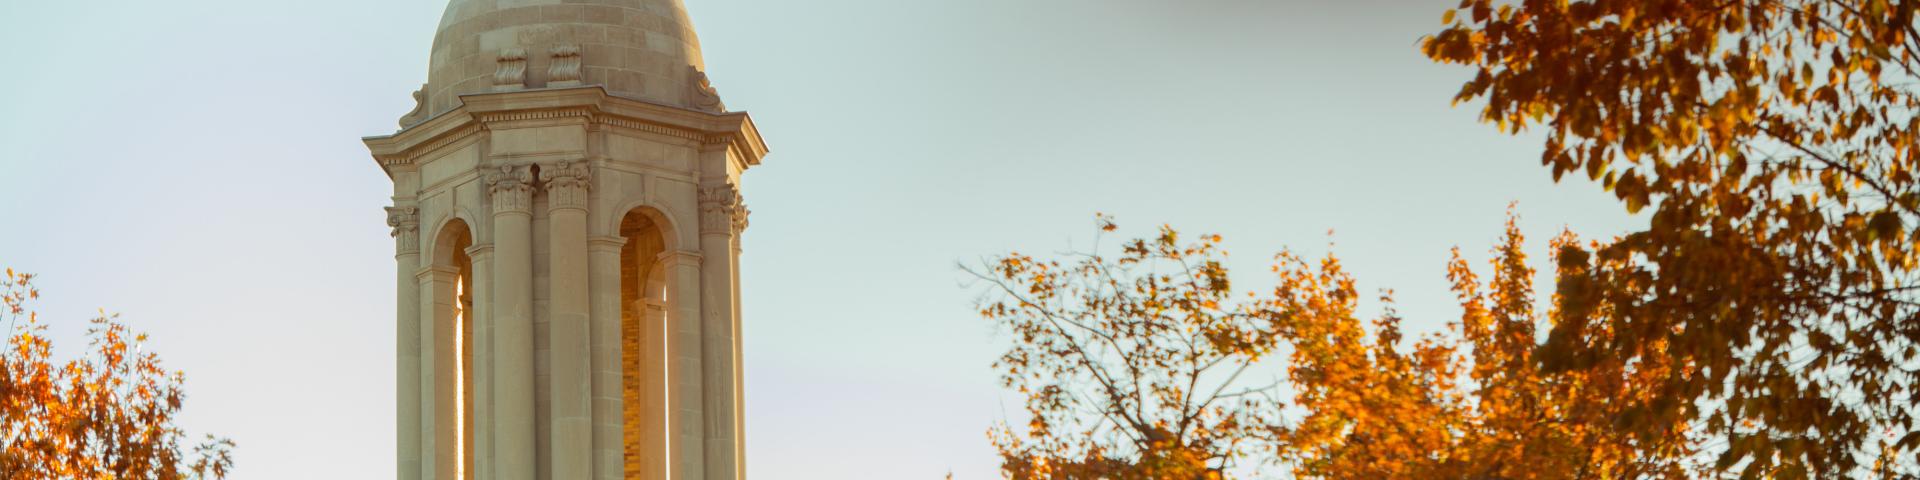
<point>1771,301</point>
<point>1131,366</point>
<point>106,415</point>
<point>1147,365</point>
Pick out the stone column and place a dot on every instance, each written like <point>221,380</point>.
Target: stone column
<point>512,190</point>
<point>571,388</point>
<point>406,233</point>
<point>438,402</point>
<point>603,271</point>
<point>686,397</point>
<point>721,215</point>
<point>481,388</point>
<point>739,364</point>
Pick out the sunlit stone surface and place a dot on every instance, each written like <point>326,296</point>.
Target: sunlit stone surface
<point>568,213</point>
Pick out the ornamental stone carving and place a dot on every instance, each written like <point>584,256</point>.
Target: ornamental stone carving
<point>703,96</point>
<point>419,113</point>
<point>722,210</point>
<point>406,228</point>
<point>567,184</point>
<point>512,71</point>
<point>512,189</point>
<point>565,70</point>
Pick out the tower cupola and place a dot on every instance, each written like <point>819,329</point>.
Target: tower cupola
<point>639,49</point>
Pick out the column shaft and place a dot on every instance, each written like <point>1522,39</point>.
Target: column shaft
<point>513,445</point>
<point>739,364</point>
<point>406,231</point>
<point>571,388</point>
<point>722,216</point>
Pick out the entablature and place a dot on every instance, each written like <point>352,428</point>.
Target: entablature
<point>734,131</point>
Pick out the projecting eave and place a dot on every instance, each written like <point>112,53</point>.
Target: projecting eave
<point>735,130</point>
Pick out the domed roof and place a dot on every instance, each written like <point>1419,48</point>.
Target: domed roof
<point>641,49</point>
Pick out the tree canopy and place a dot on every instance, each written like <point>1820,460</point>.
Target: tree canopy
<point>105,415</point>
<point>1770,304</point>
<point>1148,365</point>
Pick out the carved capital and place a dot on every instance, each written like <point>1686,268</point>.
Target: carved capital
<point>406,228</point>
<point>512,189</point>
<point>511,73</point>
<point>565,69</point>
<point>722,210</point>
<point>567,184</point>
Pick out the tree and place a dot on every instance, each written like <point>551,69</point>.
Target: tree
<point>107,415</point>
<point>1471,403</point>
<point>1771,301</point>
<point>1127,363</point>
<point>1139,367</point>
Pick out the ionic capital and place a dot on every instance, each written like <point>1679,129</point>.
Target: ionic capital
<point>722,210</point>
<point>567,184</point>
<point>512,189</point>
<point>406,228</point>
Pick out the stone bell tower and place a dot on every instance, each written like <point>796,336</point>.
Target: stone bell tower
<point>568,213</point>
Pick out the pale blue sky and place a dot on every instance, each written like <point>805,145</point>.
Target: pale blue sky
<point>197,165</point>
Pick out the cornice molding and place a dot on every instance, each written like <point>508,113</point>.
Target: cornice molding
<point>542,114</point>
<point>411,155</point>
<point>734,130</point>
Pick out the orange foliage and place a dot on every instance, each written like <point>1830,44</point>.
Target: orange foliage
<point>1770,305</point>
<point>1138,366</point>
<point>108,415</point>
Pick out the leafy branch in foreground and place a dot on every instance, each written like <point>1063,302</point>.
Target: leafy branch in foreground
<point>1773,297</point>
<point>108,414</point>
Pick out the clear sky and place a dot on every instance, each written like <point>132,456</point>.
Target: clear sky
<point>196,165</point>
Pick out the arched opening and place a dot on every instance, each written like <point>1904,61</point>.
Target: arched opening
<point>643,337</point>
<point>450,340</point>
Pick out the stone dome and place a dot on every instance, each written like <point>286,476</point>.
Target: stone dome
<point>640,49</point>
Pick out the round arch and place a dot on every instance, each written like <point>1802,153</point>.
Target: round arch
<point>669,229</point>
<point>644,312</point>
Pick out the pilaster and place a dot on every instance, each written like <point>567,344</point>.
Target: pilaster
<point>686,387</point>
<point>609,446</point>
<point>481,437</point>
<point>439,420</point>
